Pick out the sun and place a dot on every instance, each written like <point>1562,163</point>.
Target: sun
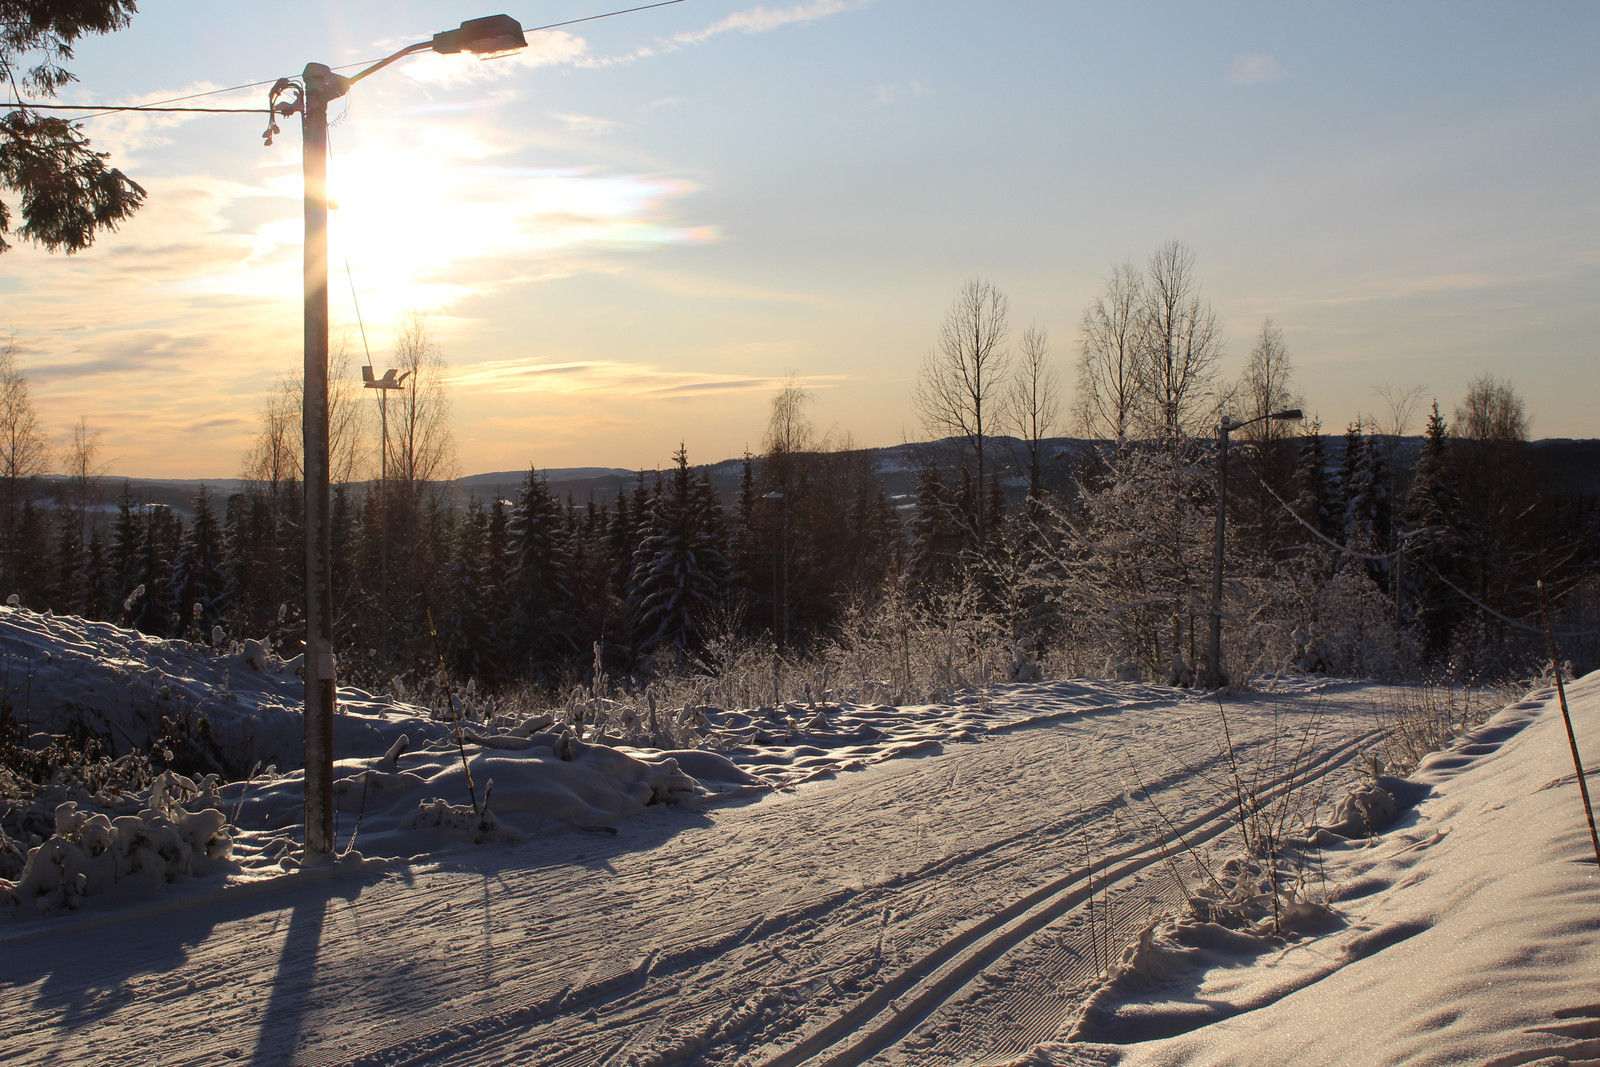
<point>426,224</point>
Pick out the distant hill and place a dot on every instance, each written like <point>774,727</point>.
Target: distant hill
<point>1573,464</point>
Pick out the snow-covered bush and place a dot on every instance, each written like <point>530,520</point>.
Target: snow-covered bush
<point>898,650</point>
<point>181,831</point>
<point>1130,565</point>
<point>1355,631</point>
<point>1425,718</point>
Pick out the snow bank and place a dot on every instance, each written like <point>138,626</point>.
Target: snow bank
<point>411,804</point>
<point>240,707</point>
<point>1466,931</point>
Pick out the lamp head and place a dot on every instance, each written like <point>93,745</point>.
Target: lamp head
<point>489,36</point>
<point>1292,415</point>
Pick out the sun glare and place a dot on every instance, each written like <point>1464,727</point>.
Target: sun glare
<point>411,222</point>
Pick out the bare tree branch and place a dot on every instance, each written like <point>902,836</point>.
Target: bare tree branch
<point>1108,357</point>
<point>1180,342</point>
<point>962,379</point>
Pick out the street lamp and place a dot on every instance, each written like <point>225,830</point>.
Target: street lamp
<point>319,85</point>
<point>392,379</point>
<point>1213,678</point>
<point>780,607</point>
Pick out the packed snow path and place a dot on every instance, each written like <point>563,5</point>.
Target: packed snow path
<point>824,925</point>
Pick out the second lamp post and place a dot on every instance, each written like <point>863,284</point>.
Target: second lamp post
<point>1214,678</point>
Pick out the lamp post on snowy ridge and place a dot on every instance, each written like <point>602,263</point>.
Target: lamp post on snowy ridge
<point>1214,678</point>
<point>318,86</point>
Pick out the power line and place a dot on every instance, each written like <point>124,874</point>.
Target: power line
<point>154,105</point>
<point>107,109</point>
<point>112,109</point>
<point>348,274</point>
<point>547,26</point>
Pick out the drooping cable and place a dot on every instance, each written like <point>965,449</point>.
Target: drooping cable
<point>1387,556</point>
<point>344,252</point>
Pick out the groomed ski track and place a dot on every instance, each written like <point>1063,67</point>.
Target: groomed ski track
<point>925,910</point>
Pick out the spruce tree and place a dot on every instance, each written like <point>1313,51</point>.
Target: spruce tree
<point>127,533</point>
<point>934,548</point>
<point>97,578</point>
<point>1431,544</point>
<point>467,624</point>
<point>1312,494</point>
<point>193,592</point>
<point>751,575</point>
<point>499,579</point>
<point>69,595</point>
<point>150,612</point>
<point>1345,484</point>
<point>536,532</point>
<point>680,567</point>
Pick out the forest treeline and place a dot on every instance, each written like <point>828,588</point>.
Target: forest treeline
<point>1371,556</point>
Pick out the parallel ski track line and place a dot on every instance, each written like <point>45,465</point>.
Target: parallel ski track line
<point>880,1019</point>
<point>932,980</point>
<point>426,1041</point>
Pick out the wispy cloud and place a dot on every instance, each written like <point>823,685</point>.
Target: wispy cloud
<point>612,378</point>
<point>889,94</point>
<point>751,20</point>
<point>763,19</point>
<point>593,124</point>
<point>1256,69</point>
<point>1406,287</point>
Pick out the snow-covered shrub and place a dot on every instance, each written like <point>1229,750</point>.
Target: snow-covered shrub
<point>900,650</point>
<point>182,831</point>
<point>1129,567</point>
<point>1425,718</point>
<point>1354,629</point>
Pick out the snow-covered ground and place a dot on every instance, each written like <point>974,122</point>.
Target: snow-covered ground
<point>406,784</point>
<point>1467,932</point>
<point>980,882</point>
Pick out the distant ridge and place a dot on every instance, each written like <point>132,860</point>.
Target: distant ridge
<point>1574,465</point>
<point>552,475</point>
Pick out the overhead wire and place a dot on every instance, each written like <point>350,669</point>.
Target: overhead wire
<point>540,29</point>
<point>102,110</point>
<point>1388,556</point>
<point>344,251</point>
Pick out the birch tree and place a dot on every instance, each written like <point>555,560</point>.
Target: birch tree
<point>964,377</point>
<point>24,454</point>
<point>1033,403</point>
<point>1108,357</point>
<point>1179,343</point>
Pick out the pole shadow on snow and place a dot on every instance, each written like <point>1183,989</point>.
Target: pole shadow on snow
<point>85,976</point>
<point>281,1024</point>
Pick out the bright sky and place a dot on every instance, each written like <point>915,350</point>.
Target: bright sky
<point>628,234</point>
